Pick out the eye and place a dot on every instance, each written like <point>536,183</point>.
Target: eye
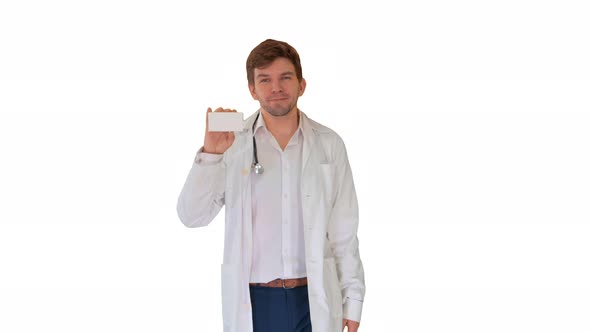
<point>264,80</point>
<point>286,77</point>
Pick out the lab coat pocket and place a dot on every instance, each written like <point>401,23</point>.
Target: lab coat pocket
<point>332,287</point>
<point>327,174</point>
<point>229,293</point>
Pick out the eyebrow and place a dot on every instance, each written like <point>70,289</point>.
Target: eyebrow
<point>287,73</point>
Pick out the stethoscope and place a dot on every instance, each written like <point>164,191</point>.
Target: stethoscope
<point>256,166</point>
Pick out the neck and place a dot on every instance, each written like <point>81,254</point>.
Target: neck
<point>282,125</point>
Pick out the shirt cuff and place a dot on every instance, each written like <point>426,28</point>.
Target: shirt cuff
<point>204,158</point>
<point>352,310</point>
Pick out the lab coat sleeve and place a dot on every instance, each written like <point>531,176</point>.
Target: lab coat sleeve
<point>342,235</point>
<point>203,193</point>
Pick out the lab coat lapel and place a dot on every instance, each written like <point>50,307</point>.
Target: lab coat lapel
<point>309,141</point>
<point>247,203</point>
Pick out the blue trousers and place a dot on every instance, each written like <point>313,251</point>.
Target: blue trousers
<point>280,309</point>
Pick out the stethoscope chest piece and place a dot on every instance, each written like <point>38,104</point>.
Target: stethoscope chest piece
<point>257,168</point>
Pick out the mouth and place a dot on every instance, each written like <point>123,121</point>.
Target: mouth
<point>278,99</point>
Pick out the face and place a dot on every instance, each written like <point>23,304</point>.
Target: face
<point>276,87</point>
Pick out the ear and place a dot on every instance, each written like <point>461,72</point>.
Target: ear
<point>302,85</point>
<point>252,91</point>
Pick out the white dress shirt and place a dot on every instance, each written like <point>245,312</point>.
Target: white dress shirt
<point>278,246</point>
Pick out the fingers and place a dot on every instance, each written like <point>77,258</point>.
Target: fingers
<point>353,326</point>
<point>221,109</point>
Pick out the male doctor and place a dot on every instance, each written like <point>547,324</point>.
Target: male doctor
<point>291,258</point>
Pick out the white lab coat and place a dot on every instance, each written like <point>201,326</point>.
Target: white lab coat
<point>335,273</point>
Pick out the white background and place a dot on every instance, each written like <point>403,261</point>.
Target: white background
<point>466,122</point>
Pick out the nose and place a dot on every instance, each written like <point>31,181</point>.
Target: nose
<point>276,86</point>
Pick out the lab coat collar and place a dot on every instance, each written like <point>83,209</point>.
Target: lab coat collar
<point>309,128</point>
<point>260,123</point>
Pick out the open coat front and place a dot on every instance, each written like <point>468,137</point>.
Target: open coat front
<point>330,215</point>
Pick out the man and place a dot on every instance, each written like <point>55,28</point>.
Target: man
<point>291,260</point>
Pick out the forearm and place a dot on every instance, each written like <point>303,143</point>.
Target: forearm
<point>345,246</point>
<point>202,195</point>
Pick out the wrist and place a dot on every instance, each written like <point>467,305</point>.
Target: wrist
<point>209,150</point>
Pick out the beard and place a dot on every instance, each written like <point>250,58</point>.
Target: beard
<point>279,109</point>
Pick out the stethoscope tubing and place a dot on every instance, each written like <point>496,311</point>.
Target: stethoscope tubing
<point>257,168</point>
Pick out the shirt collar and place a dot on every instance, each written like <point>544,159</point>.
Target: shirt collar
<point>260,123</point>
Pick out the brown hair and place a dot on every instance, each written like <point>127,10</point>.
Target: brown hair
<point>266,52</point>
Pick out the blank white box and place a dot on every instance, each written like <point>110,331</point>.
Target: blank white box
<point>226,121</point>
